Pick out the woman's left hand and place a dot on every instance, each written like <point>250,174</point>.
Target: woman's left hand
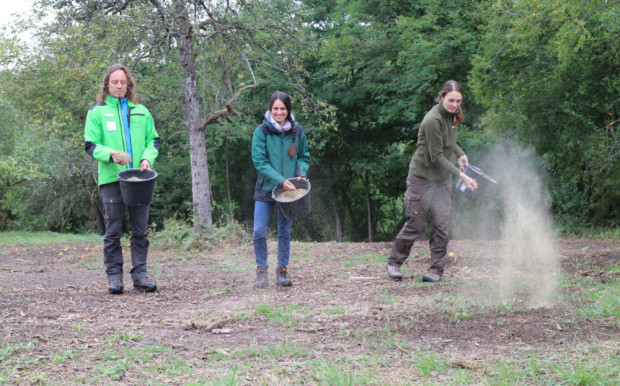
<point>288,185</point>
<point>463,161</point>
<point>145,165</point>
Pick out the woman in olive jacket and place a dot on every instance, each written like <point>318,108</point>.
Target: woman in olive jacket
<point>279,152</point>
<point>429,183</point>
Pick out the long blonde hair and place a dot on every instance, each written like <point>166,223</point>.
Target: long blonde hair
<point>104,91</point>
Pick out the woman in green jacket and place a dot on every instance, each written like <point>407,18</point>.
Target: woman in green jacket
<point>429,183</point>
<point>279,152</point>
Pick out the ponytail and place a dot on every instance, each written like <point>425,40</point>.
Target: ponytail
<point>458,118</point>
<point>292,150</point>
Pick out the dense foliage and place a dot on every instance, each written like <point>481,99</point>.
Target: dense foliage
<point>362,73</point>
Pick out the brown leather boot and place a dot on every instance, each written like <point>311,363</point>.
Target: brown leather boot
<point>282,277</point>
<point>261,278</point>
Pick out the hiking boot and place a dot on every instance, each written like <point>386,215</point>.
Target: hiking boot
<point>115,287</point>
<point>261,278</point>
<point>144,285</point>
<point>394,272</point>
<point>282,277</point>
<point>431,277</point>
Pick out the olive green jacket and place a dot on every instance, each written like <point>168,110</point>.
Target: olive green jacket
<point>437,151</point>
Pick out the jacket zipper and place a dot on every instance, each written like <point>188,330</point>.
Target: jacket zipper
<point>122,128</point>
<point>282,153</point>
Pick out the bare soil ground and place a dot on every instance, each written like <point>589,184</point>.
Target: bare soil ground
<point>207,323</point>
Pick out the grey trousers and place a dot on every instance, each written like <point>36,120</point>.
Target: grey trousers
<point>422,197</point>
<point>114,213</point>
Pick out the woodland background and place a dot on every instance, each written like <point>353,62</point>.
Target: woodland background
<point>541,80</point>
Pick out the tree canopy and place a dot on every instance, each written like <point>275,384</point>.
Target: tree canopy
<point>362,75</point>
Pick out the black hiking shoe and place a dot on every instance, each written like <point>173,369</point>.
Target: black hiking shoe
<point>115,287</point>
<point>144,285</point>
<point>261,278</point>
<point>282,277</point>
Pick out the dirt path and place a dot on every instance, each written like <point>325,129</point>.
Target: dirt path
<point>340,306</point>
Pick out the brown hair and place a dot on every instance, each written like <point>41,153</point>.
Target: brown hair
<point>449,86</point>
<point>286,99</point>
<point>104,91</point>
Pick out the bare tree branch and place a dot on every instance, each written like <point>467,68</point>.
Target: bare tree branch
<point>228,111</point>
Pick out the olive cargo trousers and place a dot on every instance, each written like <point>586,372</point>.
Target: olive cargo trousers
<point>422,197</point>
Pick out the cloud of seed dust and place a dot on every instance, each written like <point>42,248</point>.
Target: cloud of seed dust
<point>528,261</point>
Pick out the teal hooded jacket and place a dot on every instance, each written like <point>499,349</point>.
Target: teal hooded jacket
<point>104,133</point>
<point>271,159</point>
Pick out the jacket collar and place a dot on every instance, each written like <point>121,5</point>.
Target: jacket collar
<point>110,100</point>
<point>273,129</point>
<point>444,113</point>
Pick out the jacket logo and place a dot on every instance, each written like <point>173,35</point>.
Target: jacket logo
<point>111,125</point>
<point>108,114</point>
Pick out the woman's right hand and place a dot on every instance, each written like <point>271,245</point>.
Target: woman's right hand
<point>118,158</point>
<point>469,182</point>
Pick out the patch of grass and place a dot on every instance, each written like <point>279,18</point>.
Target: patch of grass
<point>287,350</point>
<point>303,256</point>
<point>95,267</point>
<point>79,327</point>
<point>228,380</point>
<point>287,315</point>
<point>61,356</point>
<point>228,266</point>
<point>180,236</point>
<point>177,367</point>
<point>584,372</point>
<point>129,336</point>
<point>596,299</point>
<point>370,257</point>
<point>218,291</point>
<point>115,368</point>
<point>329,373</point>
<point>37,238</point>
<point>336,310</point>
<point>428,362</point>
<point>508,307</point>
<point>389,299</point>
<point>508,372</point>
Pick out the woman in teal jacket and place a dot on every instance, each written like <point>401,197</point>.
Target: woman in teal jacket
<point>279,152</point>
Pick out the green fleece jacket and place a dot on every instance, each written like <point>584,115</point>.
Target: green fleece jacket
<point>437,151</point>
<point>271,159</point>
<point>103,133</point>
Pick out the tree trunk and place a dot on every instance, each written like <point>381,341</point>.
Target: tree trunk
<point>366,181</point>
<point>228,177</point>
<point>337,212</point>
<point>338,227</point>
<point>201,189</point>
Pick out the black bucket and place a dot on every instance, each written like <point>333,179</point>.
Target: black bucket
<point>486,184</point>
<point>298,208</point>
<point>138,192</point>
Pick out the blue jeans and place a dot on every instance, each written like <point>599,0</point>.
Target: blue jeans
<point>262,213</point>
